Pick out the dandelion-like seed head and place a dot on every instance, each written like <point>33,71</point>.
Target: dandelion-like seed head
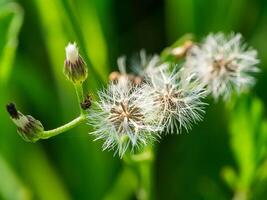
<point>223,64</point>
<point>124,116</point>
<point>179,102</point>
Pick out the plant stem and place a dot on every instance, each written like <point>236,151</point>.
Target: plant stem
<point>80,97</point>
<point>145,185</point>
<point>61,129</point>
<point>124,186</point>
<point>73,123</point>
<point>144,163</point>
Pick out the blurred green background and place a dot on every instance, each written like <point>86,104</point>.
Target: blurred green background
<point>221,157</point>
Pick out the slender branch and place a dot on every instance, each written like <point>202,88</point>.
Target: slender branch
<point>143,163</point>
<point>61,129</point>
<point>144,156</point>
<point>145,174</point>
<point>73,123</point>
<point>80,96</point>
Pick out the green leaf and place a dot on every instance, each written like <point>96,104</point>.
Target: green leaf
<point>247,139</point>
<point>11,187</point>
<point>11,43</point>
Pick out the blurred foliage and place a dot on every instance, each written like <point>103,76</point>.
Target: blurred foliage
<point>223,156</point>
<point>248,140</point>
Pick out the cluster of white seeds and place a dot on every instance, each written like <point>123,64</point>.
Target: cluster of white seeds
<point>170,97</point>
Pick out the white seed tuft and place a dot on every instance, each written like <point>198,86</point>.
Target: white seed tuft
<point>223,64</point>
<point>178,101</point>
<point>124,117</point>
<point>72,52</point>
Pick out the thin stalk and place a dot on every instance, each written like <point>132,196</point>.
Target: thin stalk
<point>80,96</point>
<point>145,184</point>
<point>143,163</point>
<point>124,186</point>
<point>73,123</point>
<point>65,127</point>
<point>146,174</point>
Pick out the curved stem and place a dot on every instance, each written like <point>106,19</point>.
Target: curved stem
<point>74,122</point>
<point>65,127</point>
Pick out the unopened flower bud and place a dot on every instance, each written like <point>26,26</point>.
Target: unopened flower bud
<point>75,68</point>
<point>28,128</point>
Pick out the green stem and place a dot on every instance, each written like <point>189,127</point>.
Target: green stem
<point>146,175</point>
<point>80,96</point>
<point>61,129</point>
<point>124,186</point>
<point>71,124</point>
<point>144,171</point>
<point>145,185</point>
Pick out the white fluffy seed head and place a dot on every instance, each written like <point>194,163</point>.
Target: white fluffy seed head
<point>178,101</point>
<point>223,64</point>
<point>72,52</point>
<point>124,117</point>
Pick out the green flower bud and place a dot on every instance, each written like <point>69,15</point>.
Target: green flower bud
<point>74,68</point>
<point>28,128</point>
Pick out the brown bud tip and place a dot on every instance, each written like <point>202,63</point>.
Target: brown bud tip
<point>86,104</point>
<point>11,109</point>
